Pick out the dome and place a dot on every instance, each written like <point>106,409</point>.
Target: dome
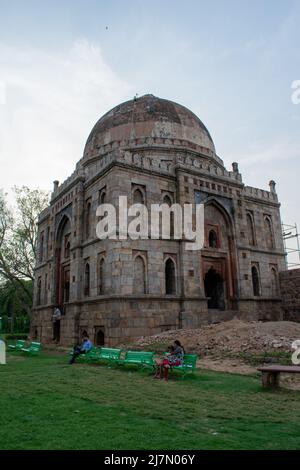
<point>137,120</point>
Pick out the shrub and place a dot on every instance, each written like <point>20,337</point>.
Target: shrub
<point>15,336</point>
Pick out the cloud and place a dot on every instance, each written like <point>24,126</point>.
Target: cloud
<point>279,150</point>
<point>51,103</point>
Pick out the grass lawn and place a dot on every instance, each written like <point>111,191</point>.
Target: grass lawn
<point>47,404</point>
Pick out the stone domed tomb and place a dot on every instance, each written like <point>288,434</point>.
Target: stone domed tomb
<point>154,151</point>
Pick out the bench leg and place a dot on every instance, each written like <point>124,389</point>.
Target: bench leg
<point>270,379</point>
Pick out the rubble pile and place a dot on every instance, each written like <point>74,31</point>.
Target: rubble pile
<point>233,336</point>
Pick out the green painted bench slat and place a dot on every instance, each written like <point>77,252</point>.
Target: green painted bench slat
<point>189,363</point>
<point>110,354</point>
<point>90,356</point>
<point>33,349</point>
<point>19,345</point>
<point>143,358</point>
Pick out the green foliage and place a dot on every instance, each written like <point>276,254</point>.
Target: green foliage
<point>15,325</point>
<point>15,336</point>
<point>14,307</point>
<point>47,404</point>
<point>18,235</point>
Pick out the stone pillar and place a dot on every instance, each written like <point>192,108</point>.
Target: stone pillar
<point>272,185</point>
<point>235,167</point>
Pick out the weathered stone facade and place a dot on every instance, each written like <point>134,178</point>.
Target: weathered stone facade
<point>290,291</point>
<point>153,151</point>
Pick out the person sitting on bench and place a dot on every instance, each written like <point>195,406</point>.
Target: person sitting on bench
<point>174,358</point>
<point>82,348</point>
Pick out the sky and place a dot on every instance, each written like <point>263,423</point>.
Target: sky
<point>65,63</point>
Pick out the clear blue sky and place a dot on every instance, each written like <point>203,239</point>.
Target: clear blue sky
<point>64,63</point>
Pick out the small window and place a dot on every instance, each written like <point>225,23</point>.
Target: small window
<point>67,246</point>
<point>170,277</point>
<point>255,281</point>
<point>213,239</point>
<point>41,257</point>
<point>250,228</point>
<point>139,276</point>
<point>167,200</point>
<point>102,197</point>
<point>138,197</point>
<point>39,291</point>
<point>87,280</point>
<point>100,339</point>
<point>88,220</point>
<point>274,283</point>
<point>269,236</point>
<point>101,277</point>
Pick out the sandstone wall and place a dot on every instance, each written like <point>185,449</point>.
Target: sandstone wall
<point>290,291</point>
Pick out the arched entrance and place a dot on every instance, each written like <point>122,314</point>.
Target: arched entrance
<point>214,289</point>
<point>99,338</point>
<point>218,257</point>
<point>56,331</point>
<point>62,259</point>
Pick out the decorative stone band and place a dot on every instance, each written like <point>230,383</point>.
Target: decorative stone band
<point>150,142</point>
<point>153,158</point>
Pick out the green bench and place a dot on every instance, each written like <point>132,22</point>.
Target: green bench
<point>96,354</point>
<point>110,354</point>
<point>189,364</point>
<point>141,358</point>
<point>18,346</point>
<point>90,356</point>
<point>33,349</point>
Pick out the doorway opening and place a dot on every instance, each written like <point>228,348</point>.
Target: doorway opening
<point>56,331</point>
<point>99,338</point>
<point>214,288</point>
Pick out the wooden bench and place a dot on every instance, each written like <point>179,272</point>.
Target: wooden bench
<point>271,374</point>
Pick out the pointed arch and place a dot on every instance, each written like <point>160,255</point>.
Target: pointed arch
<point>139,275</point>
<point>41,248</point>
<point>63,228</point>
<point>100,338</point>
<point>250,229</point>
<point>87,279</point>
<point>213,239</point>
<point>274,282</point>
<point>102,196</point>
<point>62,255</point>
<point>223,210</point>
<point>167,200</point>
<point>269,234</point>
<point>87,221</point>
<point>138,196</point>
<point>255,281</point>
<point>39,291</point>
<point>102,275</point>
<point>170,277</point>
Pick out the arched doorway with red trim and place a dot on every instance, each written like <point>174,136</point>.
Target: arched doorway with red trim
<point>218,258</point>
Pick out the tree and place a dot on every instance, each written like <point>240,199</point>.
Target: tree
<point>18,236</point>
<point>14,302</point>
